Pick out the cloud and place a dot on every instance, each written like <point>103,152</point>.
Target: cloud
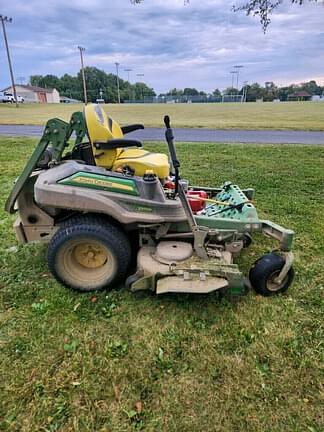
<point>172,44</point>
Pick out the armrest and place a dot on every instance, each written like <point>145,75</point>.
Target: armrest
<point>117,143</point>
<point>131,128</point>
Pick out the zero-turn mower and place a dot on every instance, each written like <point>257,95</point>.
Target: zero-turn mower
<point>105,199</point>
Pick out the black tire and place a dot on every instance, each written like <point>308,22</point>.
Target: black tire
<point>131,279</point>
<point>88,253</point>
<point>247,240</point>
<point>265,270</point>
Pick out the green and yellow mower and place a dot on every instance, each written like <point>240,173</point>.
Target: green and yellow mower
<point>101,202</point>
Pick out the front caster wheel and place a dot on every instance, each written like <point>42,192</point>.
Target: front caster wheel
<point>247,240</point>
<point>264,272</point>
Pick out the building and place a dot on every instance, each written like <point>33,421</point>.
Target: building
<point>35,94</point>
<point>300,96</point>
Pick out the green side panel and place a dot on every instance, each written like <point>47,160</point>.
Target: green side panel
<point>223,223</point>
<point>55,134</point>
<point>101,182</point>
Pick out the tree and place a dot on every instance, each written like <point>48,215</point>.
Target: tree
<point>264,8</point>
<point>35,80</point>
<point>217,93</point>
<point>190,92</point>
<point>311,87</point>
<point>254,92</point>
<point>71,87</point>
<point>98,82</point>
<point>141,91</point>
<point>48,81</point>
<point>261,8</point>
<point>231,91</point>
<point>175,92</point>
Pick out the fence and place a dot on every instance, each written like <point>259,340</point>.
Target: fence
<point>187,99</point>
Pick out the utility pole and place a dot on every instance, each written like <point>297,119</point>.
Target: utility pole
<point>81,49</point>
<point>238,67</point>
<point>117,73</point>
<point>9,20</point>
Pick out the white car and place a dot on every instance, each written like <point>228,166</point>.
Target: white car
<point>9,97</point>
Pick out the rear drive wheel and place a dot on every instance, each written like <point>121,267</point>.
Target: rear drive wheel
<point>264,272</point>
<point>87,253</point>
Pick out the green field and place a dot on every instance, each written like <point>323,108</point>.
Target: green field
<point>290,115</point>
<point>117,361</point>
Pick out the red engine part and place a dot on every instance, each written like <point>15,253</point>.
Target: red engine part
<point>197,200</point>
<point>169,185</point>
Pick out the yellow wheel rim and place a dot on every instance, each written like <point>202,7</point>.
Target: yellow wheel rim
<point>86,263</point>
<point>90,255</point>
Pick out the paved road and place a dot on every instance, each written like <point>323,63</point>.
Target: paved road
<point>196,135</point>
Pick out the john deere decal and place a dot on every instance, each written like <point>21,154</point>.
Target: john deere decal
<point>101,182</point>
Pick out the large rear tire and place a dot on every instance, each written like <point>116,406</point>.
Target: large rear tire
<point>88,253</point>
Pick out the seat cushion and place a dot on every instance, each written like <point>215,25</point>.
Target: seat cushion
<point>141,160</point>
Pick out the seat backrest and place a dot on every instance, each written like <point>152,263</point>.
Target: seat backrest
<point>101,128</point>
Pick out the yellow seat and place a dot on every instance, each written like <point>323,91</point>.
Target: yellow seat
<point>141,160</point>
<point>102,129</point>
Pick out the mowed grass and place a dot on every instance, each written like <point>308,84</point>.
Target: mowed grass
<point>289,115</point>
<point>116,361</point>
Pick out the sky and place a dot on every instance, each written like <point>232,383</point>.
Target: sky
<point>173,45</point>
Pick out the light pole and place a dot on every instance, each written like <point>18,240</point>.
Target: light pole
<point>233,73</point>
<point>128,70</point>
<point>238,67</point>
<point>118,92</point>
<point>244,91</point>
<point>81,49</point>
<point>9,20</point>
<point>140,75</point>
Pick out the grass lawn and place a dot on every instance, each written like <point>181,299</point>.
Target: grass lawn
<point>291,116</point>
<point>116,361</point>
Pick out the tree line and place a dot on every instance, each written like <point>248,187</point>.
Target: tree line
<point>99,85</point>
<point>269,92</point>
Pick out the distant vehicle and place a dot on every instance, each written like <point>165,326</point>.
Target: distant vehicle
<point>2,97</point>
<point>100,101</point>
<point>9,98</point>
<point>64,99</point>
